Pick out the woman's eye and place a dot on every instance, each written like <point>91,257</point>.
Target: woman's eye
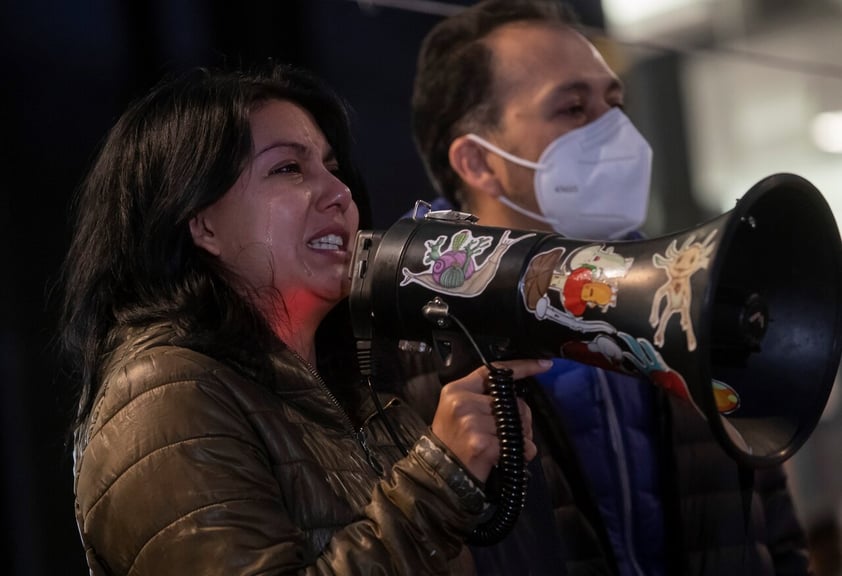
<point>288,168</point>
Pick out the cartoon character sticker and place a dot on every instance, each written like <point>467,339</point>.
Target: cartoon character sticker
<point>563,290</point>
<point>679,264</point>
<point>455,270</point>
<point>726,398</point>
<point>622,352</point>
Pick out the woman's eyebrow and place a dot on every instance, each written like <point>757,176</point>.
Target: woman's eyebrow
<point>297,147</point>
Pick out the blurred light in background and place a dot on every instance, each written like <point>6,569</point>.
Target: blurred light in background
<point>760,78</point>
<point>826,130</point>
<point>645,19</point>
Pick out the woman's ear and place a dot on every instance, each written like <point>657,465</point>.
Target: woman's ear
<point>202,231</point>
<point>469,160</point>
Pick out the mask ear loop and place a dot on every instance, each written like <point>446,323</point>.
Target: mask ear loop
<point>502,153</point>
<point>520,162</point>
<point>517,208</point>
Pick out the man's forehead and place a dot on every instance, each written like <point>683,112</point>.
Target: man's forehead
<point>517,43</point>
<point>534,55</point>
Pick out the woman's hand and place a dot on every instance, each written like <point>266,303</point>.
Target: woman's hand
<point>464,422</point>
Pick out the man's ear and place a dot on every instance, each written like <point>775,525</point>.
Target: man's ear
<point>469,160</point>
<point>202,231</point>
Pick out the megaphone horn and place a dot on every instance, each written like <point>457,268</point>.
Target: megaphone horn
<point>740,316</point>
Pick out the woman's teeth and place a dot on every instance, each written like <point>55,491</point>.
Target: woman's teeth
<point>329,242</point>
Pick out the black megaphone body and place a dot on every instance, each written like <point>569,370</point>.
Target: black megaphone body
<point>740,316</point>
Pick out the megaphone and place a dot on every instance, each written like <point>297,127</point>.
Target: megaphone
<point>740,316</point>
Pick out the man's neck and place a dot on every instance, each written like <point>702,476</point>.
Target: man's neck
<point>493,213</point>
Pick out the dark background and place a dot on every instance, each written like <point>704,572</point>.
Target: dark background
<point>70,68</point>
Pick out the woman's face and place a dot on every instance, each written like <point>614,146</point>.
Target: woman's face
<point>288,221</point>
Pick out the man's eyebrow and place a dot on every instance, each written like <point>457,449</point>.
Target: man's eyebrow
<point>615,85</point>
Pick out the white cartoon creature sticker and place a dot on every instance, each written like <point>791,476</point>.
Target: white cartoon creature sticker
<point>679,264</point>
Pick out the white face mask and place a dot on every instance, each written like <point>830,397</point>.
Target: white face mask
<point>591,183</point>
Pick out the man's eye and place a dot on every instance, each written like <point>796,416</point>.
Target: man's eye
<point>573,110</point>
<point>288,168</point>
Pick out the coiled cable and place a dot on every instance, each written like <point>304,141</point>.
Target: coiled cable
<point>511,467</point>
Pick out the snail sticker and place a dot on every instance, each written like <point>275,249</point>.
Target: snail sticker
<point>454,269</point>
<point>563,290</point>
<point>679,264</point>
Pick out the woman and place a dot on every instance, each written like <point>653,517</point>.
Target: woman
<point>221,424</point>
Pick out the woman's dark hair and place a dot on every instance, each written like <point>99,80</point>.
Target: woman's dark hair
<point>132,260</point>
<point>454,89</point>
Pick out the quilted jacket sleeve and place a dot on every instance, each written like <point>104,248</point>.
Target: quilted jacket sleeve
<point>175,480</point>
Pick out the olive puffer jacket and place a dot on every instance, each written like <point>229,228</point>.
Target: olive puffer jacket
<point>188,467</point>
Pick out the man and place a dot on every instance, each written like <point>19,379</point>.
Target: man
<point>519,121</point>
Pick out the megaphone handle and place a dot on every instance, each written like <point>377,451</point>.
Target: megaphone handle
<point>511,465</point>
<point>511,468</point>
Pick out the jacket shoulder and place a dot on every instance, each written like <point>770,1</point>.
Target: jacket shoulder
<point>169,414</point>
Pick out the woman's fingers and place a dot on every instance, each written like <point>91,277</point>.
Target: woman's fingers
<point>477,380</point>
<point>530,451</point>
<point>523,368</point>
<point>464,419</point>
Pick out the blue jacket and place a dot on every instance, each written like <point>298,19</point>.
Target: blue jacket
<point>609,419</point>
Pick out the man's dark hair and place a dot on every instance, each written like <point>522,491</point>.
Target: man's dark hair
<point>453,91</point>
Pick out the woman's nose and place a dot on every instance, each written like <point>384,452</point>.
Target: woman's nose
<point>336,193</point>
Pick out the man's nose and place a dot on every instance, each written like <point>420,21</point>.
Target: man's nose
<point>598,107</point>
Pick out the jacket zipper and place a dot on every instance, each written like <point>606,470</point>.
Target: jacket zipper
<point>357,433</point>
<point>622,468</point>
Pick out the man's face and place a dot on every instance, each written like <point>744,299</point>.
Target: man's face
<point>549,80</point>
